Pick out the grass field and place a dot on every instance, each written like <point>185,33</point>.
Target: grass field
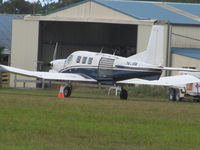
<point>91,120</point>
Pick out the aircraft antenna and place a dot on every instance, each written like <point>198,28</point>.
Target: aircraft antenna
<point>55,51</point>
<point>101,50</point>
<point>114,51</point>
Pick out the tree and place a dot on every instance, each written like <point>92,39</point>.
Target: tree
<point>50,5</point>
<point>20,7</point>
<point>36,7</point>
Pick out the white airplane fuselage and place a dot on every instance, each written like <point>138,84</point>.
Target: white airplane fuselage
<point>105,68</point>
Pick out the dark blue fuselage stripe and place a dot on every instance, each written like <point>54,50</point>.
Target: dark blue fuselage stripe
<point>114,68</point>
<point>115,75</point>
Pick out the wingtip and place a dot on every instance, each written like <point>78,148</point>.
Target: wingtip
<point>2,67</point>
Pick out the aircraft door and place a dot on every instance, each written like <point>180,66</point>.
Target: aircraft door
<point>105,69</point>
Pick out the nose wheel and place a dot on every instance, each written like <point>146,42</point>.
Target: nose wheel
<point>67,91</point>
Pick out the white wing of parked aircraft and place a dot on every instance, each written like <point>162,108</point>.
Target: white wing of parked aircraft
<point>176,81</point>
<point>48,75</point>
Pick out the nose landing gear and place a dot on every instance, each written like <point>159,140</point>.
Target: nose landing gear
<point>65,91</point>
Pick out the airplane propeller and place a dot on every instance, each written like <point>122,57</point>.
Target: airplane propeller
<point>49,64</point>
<point>55,51</point>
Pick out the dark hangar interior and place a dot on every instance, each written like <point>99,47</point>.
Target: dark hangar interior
<point>120,39</point>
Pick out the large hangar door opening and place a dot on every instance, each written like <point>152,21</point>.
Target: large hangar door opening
<point>74,36</point>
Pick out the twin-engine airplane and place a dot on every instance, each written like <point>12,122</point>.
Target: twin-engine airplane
<point>111,69</point>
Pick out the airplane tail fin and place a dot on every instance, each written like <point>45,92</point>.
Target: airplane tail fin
<point>155,48</point>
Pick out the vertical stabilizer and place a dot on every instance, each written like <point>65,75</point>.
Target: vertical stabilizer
<point>155,48</point>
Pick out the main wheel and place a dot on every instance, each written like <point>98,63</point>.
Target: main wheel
<point>123,94</point>
<point>172,94</point>
<point>67,91</point>
<point>177,95</point>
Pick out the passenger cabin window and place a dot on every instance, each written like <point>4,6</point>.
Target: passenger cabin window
<point>90,60</point>
<point>78,59</point>
<point>69,59</point>
<point>84,60</point>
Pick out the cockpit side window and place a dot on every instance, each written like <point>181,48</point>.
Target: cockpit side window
<point>78,59</point>
<point>84,60</point>
<point>90,60</point>
<point>69,59</point>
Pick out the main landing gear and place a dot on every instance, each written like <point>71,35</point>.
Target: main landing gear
<point>118,90</point>
<point>174,95</point>
<point>123,94</point>
<point>66,90</point>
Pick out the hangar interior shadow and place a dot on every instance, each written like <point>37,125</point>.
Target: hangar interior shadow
<point>74,36</point>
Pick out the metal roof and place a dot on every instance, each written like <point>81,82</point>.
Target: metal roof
<point>146,10</point>
<point>187,7</point>
<point>6,30</point>
<point>188,52</point>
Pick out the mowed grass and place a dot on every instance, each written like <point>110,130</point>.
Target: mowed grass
<point>91,120</point>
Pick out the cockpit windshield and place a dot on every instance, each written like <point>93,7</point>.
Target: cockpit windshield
<point>69,59</point>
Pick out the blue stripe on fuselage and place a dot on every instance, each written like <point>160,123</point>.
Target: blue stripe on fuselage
<point>117,74</point>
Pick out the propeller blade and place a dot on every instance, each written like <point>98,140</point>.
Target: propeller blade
<point>55,51</point>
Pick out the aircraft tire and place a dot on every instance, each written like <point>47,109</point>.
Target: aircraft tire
<point>67,91</point>
<point>177,95</point>
<point>172,94</point>
<point>123,94</point>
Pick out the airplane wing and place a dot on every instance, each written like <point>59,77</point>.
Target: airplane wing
<point>47,75</point>
<point>177,81</point>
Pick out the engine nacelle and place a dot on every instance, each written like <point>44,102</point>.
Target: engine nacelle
<point>57,65</point>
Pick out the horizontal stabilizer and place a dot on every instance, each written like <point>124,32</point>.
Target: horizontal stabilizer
<point>47,75</point>
<point>179,69</point>
<point>176,81</point>
<point>147,67</point>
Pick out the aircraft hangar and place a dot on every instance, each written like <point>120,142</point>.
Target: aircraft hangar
<point>117,26</point>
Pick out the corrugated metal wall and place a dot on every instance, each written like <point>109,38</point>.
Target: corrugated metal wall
<point>143,37</point>
<point>24,47</point>
<point>185,36</point>
<point>183,61</point>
